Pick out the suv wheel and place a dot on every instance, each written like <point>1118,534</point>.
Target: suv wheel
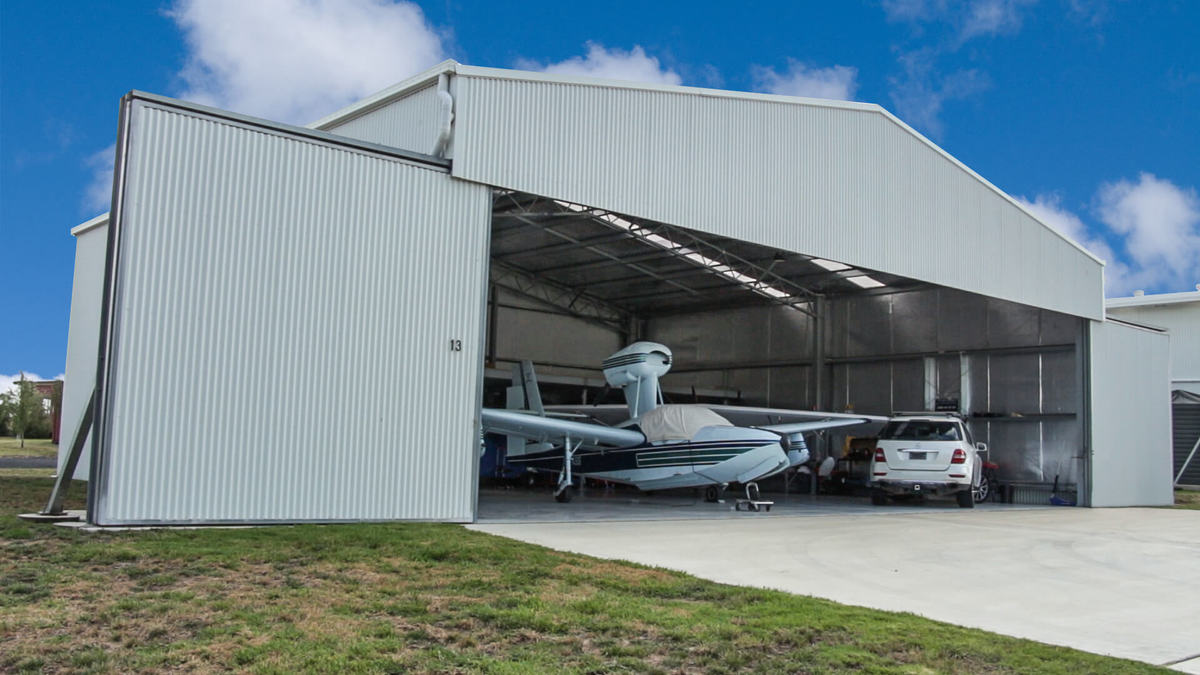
<point>966,498</point>
<point>984,490</point>
<point>879,498</point>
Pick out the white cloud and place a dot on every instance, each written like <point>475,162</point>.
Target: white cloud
<point>1160,225</point>
<point>834,82</point>
<point>991,17</point>
<point>966,19</point>
<point>298,60</point>
<point>97,196</point>
<point>1149,233</point>
<point>920,92</point>
<point>1088,12</point>
<point>610,64</point>
<point>913,10</point>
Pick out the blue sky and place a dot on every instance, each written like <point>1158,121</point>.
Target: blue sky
<point>1086,110</point>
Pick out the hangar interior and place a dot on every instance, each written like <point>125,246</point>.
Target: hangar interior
<point>571,284</point>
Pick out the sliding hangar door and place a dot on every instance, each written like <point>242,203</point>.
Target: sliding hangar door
<point>291,327</point>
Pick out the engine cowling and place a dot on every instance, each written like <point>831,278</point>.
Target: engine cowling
<point>636,369</point>
<point>797,450</point>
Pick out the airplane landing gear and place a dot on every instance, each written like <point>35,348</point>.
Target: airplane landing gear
<point>715,493</point>
<point>563,494</point>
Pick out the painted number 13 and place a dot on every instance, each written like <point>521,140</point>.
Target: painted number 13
<point>456,345</point>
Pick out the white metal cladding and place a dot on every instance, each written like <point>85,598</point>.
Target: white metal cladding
<point>1182,319</point>
<point>843,182</point>
<point>281,330</point>
<point>83,334</point>
<point>1130,416</point>
<point>411,122</point>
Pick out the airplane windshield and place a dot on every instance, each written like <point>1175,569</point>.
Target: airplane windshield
<point>920,430</point>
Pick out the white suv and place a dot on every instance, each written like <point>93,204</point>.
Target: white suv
<point>926,454</point>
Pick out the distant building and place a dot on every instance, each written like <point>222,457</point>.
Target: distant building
<point>51,391</point>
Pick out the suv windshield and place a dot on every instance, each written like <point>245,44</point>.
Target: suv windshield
<point>920,430</point>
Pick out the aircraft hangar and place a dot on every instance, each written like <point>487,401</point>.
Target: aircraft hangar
<point>283,324</point>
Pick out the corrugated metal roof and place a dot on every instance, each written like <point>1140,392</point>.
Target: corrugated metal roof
<point>1154,299</point>
<point>425,79</point>
<point>837,180</point>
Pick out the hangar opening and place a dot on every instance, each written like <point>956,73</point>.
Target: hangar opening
<point>751,325</point>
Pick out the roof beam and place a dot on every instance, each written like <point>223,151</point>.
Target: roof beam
<point>571,301</point>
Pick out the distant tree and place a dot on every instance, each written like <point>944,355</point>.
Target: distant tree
<point>23,408</point>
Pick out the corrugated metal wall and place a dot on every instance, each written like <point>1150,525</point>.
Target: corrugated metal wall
<point>1131,416</point>
<point>1185,427</point>
<point>87,289</point>
<point>846,183</point>
<point>559,343</point>
<point>410,122</point>
<point>281,330</point>
<point>1182,319</point>
<point>902,351</point>
<point>762,352</point>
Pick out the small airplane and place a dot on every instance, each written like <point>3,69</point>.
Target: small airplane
<point>656,446</point>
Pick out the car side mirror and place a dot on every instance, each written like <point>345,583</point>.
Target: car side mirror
<point>981,447</point>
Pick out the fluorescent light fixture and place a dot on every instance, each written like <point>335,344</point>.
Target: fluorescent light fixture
<point>829,264</point>
<point>698,258</point>
<point>864,281</point>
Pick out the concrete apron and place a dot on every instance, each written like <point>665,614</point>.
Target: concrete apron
<point>1122,582</point>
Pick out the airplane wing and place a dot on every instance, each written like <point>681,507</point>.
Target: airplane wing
<point>549,429</point>
<point>786,421</point>
<point>608,413</point>
<point>815,425</point>
<point>779,420</point>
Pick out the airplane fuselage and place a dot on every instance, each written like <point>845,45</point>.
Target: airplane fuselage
<point>717,455</point>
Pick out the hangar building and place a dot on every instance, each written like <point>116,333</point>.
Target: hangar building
<point>299,324</point>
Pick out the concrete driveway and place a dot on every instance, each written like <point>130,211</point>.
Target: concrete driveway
<point>1123,582</point>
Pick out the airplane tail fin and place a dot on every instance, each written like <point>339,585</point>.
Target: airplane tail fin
<point>523,395</point>
<point>636,369</point>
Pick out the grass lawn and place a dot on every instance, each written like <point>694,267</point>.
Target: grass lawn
<point>1187,499</point>
<point>430,597</point>
<point>10,446</point>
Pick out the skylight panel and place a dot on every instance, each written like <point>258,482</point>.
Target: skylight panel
<point>714,266</point>
<point>829,264</point>
<point>865,281</point>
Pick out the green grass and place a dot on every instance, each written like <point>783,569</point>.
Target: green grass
<point>430,598</point>
<point>34,447</point>
<point>1187,499</point>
